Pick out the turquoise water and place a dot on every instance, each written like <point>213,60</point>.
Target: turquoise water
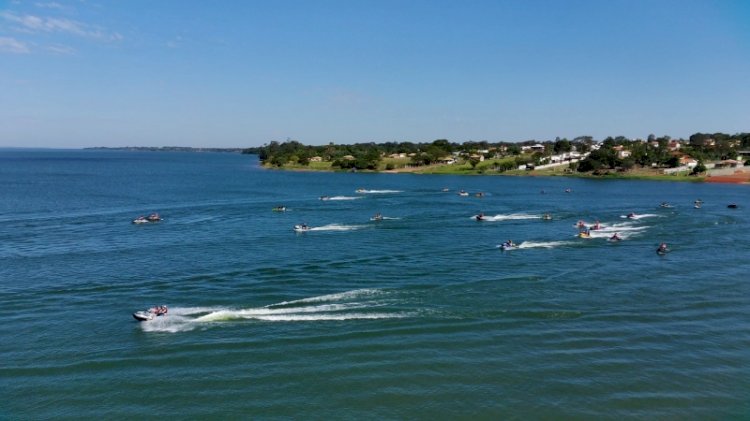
<point>416,316</point>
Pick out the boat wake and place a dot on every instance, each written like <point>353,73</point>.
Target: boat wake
<point>341,198</point>
<point>362,304</point>
<point>509,217</point>
<point>337,227</point>
<point>623,230</point>
<point>544,244</point>
<point>640,216</point>
<point>365,191</point>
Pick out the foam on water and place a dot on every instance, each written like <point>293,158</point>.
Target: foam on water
<point>641,216</point>
<point>365,191</point>
<point>544,244</point>
<point>508,217</point>
<point>343,198</point>
<point>337,227</point>
<point>349,305</point>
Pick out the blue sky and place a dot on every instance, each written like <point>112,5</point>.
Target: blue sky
<point>242,73</point>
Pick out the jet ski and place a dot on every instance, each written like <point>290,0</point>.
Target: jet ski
<point>146,315</point>
<point>479,217</point>
<point>301,228</point>
<point>508,245</point>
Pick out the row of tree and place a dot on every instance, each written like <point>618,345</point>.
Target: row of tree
<point>656,151</point>
<point>701,146</point>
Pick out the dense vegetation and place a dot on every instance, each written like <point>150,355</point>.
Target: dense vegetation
<point>660,152</point>
<point>654,152</point>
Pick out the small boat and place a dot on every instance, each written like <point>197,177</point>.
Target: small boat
<point>615,238</point>
<point>301,228</point>
<point>584,234</point>
<point>508,245</point>
<point>279,209</point>
<point>325,198</point>
<point>631,215</point>
<point>463,193</point>
<point>145,315</point>
<point>665,205</point>
<point>547,217</point>
<point>361,190</point>
<point>154,217</point>
<point>732,206</point>
<point>141,220</point>
<point>377,217</point>
<point>479,217</point>
<point>480,194</point>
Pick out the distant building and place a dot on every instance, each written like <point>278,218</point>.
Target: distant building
<point>316,159</point>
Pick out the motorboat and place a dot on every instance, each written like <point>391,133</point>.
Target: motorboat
<point>631,215</point>
<point>547,217</point>
<point>732,206</point>
<point>479,217</point>
<point>377,217</point>
<point>301,228</point>
<point>665,205</point>
<point>508,245</point>
<point>279,209</point>
<point>145,315</point>
<point>584,234</point>
<point>154,217</point>
<point>463,193</point>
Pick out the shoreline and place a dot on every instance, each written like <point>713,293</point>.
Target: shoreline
<point>427,170</point>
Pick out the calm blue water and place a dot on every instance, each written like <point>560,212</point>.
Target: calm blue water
<point>416,316</point>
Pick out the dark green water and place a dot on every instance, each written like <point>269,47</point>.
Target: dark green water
<point>418,316</point>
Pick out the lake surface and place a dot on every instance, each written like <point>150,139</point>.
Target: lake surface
<point>417,316</point>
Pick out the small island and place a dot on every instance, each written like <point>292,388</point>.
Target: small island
<point>703,157</point>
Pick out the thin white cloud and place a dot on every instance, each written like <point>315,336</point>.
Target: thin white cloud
<point>61,49</point>
<point>12,45</point>
<point>32,24</point>
<point>174,43</point>
<point>50,5</point>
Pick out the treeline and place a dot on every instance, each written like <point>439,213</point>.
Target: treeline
<point>663,152</point>
<point>369,155</point>
<point>603,155</point>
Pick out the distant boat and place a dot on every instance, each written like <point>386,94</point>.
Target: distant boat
<point>301,228</point>
<point>732,206</point>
